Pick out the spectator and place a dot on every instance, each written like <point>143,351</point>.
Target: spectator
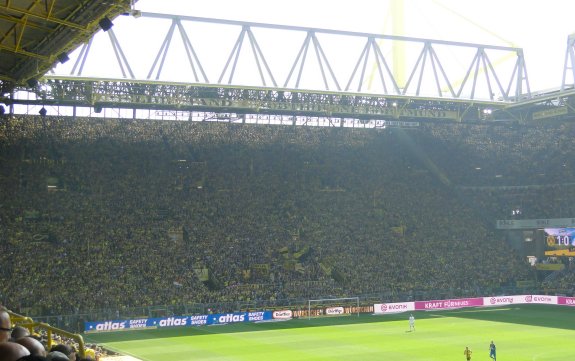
<point>19,332</point>
<point>33,358</point>
<point>34,346</point>
<point>56,356</point>
<point>11,351</point>
<point>67,350</point>
<point>5,326</point>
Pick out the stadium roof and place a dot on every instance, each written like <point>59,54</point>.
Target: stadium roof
<point>35,34</point>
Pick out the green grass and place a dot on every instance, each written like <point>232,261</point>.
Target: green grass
<point>521,333</point>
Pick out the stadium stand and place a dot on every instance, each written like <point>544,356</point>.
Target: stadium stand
<point>107,214</point>
<point>107,218</point>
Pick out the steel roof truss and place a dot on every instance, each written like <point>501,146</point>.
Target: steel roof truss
<point>191,53</point>
<point>81,60</point>
<point>381,59</point>
<point>302,49</point>
<point>118,52</point>
<point>420,60</point>
<point>321,59</point>
<point>48,17</point>
<point>234,54</point>
<point>569,63</point>
<point>120,56</point>
<point>434,60</point>
<point>257,52</point>
<point>162,52</point>
<point>362,57</point>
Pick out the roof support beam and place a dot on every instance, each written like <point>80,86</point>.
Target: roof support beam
<point>47,18</point>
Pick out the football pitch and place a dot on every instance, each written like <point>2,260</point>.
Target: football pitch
<point>521,333</point>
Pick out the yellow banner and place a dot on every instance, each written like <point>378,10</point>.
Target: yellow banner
<point>551,112</point>
<point>561,252</point>
<point>203,274</point>
<point>525,283</point>
<point>549,266</point>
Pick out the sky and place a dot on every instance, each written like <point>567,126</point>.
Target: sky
<point>539,28</point>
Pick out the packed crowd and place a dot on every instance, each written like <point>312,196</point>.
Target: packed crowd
<point>509,168</point>
<point>526,154</point>
<point>89,208</point>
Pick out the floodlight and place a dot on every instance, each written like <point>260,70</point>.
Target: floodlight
<point>105,23</point>
<point>62,58</point>
<point>32,83</point>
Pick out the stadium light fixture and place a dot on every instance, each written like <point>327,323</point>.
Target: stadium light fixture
<point>62,58</point>
<point>32,83</point>
<point>105,23</point>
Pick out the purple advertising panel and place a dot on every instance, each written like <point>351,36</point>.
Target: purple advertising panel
<point>566,301</point>
<point>449,304</point>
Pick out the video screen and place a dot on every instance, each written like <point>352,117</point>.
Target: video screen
<point>560,237</point>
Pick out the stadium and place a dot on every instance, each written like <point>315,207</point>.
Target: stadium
<point>396,206</point>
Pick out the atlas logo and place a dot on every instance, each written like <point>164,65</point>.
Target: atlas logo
<point>173,321</point>
<point>111,326</point>
<point>230,317</point>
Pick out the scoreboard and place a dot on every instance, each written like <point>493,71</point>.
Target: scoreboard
<point>560,237</point>
<point>539,238</point>
<point>560,242</point>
